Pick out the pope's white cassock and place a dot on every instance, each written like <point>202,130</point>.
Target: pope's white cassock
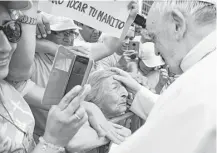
<point>183,118</point>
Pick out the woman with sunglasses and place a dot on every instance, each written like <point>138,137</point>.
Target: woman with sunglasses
<point>16,119</point>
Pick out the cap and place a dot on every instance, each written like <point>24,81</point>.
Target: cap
<point>147,55</point>
<point>17,5</point>
<point>58,23</point>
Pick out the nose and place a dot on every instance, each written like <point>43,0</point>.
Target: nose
<point>124,92</point>
<point>5,46</point>
<point>72,40</point>
<point>96,32</point>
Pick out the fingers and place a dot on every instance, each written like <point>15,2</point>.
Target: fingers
<point>83,120</point>
<point>119,137</point>
<point>164,73</point>
<point>38,33</point>
<point>119,71</point>
<point>120,79</point>
<point>129,52</point>
<point>100,131</point>
<point>78,114</point>
<point>167,68</point>
<point>124,132</point>
<point>86,90</point>
<point>46,24</point>
<point>121,130</point>
<point>80,122</point>
<point>68,97</point>
<point>117,126</point>
<point>43,26</point>
<point>75,103</point>
<point>114,137</point>
<point>132,5</point>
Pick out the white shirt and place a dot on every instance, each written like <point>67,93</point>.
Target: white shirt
<point>183,118</point>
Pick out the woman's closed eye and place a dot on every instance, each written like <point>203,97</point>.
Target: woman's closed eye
<point>114,86</point>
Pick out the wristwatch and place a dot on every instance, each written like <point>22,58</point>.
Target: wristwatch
<point>27,20</point>
<point>20,17</point>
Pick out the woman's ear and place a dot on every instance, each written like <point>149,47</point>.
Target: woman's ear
<point>179,23</point>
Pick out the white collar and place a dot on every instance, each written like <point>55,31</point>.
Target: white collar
<point>204,47</point>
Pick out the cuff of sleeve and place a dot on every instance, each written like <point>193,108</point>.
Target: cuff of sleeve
<point>143,102</point>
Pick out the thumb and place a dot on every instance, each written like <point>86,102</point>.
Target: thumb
<point>100,132</point>
<point>97,127</point>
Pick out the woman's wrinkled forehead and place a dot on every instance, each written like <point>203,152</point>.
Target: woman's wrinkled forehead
<point>110,81</point>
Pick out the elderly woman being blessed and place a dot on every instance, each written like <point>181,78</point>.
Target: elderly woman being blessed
<point>107,93</point>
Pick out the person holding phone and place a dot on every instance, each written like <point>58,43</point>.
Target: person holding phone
<point>16,120</point>
<point>56,135</point>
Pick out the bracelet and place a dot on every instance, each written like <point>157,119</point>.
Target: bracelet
<point>51,146</point>
<point>27,20</point>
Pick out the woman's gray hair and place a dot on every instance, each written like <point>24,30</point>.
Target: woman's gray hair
<point>204,13</point>
<point>96,81</point>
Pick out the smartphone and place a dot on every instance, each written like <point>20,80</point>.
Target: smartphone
<point>134,45</point>
<point>69,69</point>
<point>79,74</point>
<point>140,20</point>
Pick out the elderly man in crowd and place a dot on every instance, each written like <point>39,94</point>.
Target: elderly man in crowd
<point>184,33</point>
<point>63,32</point>
<point>87,34</point>
<point>113,60</point>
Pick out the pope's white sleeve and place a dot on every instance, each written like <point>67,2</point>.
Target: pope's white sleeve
<point>143,102</point>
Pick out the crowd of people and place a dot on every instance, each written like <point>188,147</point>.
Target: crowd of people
<point>168,82</point>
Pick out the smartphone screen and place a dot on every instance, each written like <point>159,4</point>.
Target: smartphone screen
<point>140,20</point>
<point>78,72</point>
<point>134,45</point>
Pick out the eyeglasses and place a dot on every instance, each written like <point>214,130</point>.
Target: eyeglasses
<point>66,34</point>
<point>12,30</point>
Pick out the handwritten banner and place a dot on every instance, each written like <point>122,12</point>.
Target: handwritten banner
<point>108,16</point>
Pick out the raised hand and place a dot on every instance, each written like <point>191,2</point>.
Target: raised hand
<point>66,118</point>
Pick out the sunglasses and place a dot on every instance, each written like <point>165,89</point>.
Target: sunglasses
<point>12,30</point>
<point>66,34</point>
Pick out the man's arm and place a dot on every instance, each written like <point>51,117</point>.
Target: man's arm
<point>98,51</point>
<point>46,46</point>
<point>22,59</point>
<point>101,50</point>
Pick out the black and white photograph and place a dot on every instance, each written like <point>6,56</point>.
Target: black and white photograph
<point>108,76</point>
